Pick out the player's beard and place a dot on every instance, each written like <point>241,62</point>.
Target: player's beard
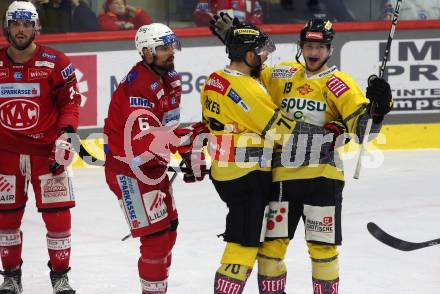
<point>162,68</point>
<point>21,46</point>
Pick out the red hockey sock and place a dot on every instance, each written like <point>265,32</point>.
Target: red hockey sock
<point>58,225</point>
<point>172,240</point>
<point>155,260</point>
<point>11,239</point>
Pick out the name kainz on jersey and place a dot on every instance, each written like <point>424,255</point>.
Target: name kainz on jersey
<point>301,104</point>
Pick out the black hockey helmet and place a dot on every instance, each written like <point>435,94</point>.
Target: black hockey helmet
<point>241,38</point>
<point>317,30</point>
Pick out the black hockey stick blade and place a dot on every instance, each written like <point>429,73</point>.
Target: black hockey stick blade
<point>89,158</point>
<point>397,243</point>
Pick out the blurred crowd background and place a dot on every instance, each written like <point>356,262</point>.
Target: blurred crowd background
<point>59,16</point>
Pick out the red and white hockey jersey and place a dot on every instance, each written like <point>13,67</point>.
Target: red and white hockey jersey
<point>37,99</point>
<point>143,112</point>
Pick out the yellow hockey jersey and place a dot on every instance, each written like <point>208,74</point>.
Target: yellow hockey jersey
<point>238,110</point>
<point>318,99</point>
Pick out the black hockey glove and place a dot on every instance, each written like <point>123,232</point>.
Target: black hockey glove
<point>221,23</point>
<point>338,128</point>
<point>62,153</point>
<point>379,93</point>
<point>195,166</point>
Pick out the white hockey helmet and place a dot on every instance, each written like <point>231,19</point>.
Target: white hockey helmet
<point>154,35</point>
<point>22,10</point>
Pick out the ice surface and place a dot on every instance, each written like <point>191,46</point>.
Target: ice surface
<point>401,196</point>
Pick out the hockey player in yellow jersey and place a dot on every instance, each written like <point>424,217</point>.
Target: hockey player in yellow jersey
<point>304,186</point>
<point>245,125</point>
<point>318,94</point>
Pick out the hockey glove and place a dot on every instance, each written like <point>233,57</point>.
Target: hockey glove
<point>221,23</point>
<point>190,137</point>
<point>379,93</point>
<point>191,150</point>
<point>62,153</point>
<point>195,166</point>
<point>338,128</point>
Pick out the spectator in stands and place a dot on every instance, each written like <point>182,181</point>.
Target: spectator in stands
<point>287,4</point>
<point>54,15</point>
<point>62,16</point>
<point>241,9</point>
<point>335,10</point>
<point>118,15</point>
<point>83,18</point>
<point>413,10</point>
<point>3,7</point>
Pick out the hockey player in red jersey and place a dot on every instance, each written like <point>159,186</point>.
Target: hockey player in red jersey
<point>141,127</point>
<point>39,106</point>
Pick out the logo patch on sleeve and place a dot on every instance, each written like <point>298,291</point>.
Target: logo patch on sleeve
<point>68,71</point>
<point>217,84</point>
<point>237,99</point>
<point>154,86</point>
<point>337,86</point>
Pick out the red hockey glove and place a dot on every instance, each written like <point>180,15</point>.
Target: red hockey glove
<point>338,128</point>
<point>189,137</point>
<point>62,153</point>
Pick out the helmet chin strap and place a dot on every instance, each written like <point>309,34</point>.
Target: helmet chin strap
<point>256,69</point>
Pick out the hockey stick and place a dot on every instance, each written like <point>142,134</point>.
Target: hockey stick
<point>92,160</point>
<point>381,71</point>
<point>397,243</point>
<point>89,158</point>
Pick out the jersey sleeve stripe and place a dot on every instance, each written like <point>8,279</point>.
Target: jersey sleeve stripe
<point>271,122</point>
<point>355,113</point>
